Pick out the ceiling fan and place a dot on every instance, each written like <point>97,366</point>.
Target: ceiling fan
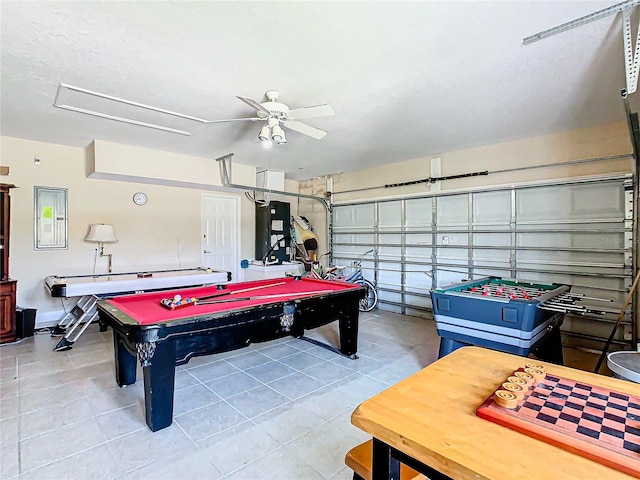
<point>273,112</point>
<point>276,113</point>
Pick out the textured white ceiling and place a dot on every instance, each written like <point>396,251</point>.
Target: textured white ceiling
<point>406,79</point>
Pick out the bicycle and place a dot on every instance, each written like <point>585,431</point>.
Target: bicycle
<point>370,300</point>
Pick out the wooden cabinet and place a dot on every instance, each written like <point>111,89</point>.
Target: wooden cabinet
<point>5,214</point>
<point>7,286</point>
<point>8,311</point>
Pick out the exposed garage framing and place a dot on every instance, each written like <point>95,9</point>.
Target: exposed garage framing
<point>575,231</point>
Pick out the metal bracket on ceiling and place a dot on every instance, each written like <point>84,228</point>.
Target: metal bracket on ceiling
<point>630,53</point>
<point>578,22</point>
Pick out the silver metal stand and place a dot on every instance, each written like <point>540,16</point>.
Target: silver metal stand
<point>84,311</point>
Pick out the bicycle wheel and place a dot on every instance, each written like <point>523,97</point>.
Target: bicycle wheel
<point>370,300</point>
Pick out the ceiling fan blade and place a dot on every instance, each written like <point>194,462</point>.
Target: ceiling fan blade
<point>252,119</point>
<point>312,112</point>
<point>254,104</point>
<point>305,129</point>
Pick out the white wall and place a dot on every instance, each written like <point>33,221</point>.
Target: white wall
<point>148,235</point>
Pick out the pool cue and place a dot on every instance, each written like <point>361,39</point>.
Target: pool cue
<point>172,307</point>
<point>263,297</point>
<point>240,291</point>
<point>615,327</point>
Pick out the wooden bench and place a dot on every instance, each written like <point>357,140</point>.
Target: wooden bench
<point>358,459</point>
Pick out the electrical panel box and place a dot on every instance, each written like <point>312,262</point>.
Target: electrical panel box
<point>273,232</point>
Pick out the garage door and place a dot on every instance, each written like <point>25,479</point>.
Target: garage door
<point>578,232</point>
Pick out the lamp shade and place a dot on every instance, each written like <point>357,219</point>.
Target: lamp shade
<point>101,233</point>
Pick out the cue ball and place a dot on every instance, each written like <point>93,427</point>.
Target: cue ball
<point>177,298</point>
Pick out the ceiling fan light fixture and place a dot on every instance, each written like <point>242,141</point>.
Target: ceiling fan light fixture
<point>264,136</point>
<point>277,134</point>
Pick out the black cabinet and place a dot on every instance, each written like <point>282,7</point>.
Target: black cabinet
<point>273,232</point>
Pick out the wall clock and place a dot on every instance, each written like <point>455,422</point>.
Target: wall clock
<point>140,198</point>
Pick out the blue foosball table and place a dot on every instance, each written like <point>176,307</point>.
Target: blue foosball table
<point>508,315</point>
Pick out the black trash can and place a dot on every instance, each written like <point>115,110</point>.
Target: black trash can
<point>25,322</point>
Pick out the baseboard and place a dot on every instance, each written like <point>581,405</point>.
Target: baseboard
<point>49,319</point>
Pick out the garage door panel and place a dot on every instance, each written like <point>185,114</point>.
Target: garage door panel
<point>593,240</point>
<point>418,301</point>
<point>415,254</point>
<point>492,239</point>
<point>499,270</point>
<point>390,215</point>
<point>575,232</point>
<point>602,260</point>
<point>390,238</point>
<point>453,239</point>
<point>418,239</point>
<point>491,208</point>
<point>355,217</point>
<point>418,282</point>
<point>418,213</point>
<point>484,257</point>
<point>453,210</point>
<point>563,202</point>
<point>453,256</point>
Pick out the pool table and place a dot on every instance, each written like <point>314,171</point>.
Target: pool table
<point>223,318</point>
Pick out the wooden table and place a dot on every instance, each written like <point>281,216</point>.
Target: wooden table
<point>429,420</point>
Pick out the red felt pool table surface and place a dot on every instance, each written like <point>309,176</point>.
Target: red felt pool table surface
<point>145,309</point>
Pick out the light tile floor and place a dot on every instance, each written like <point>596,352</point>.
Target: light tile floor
<point>275,410</point>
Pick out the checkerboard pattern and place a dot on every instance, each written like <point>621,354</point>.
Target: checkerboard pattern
<point>596,414</point>
<point>587,420</point>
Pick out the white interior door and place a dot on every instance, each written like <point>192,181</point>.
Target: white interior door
<point>220,233</point>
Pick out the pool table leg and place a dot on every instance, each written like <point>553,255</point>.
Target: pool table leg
<point>348,326</point>
<point>159,378</point>
<point>125,362</point>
